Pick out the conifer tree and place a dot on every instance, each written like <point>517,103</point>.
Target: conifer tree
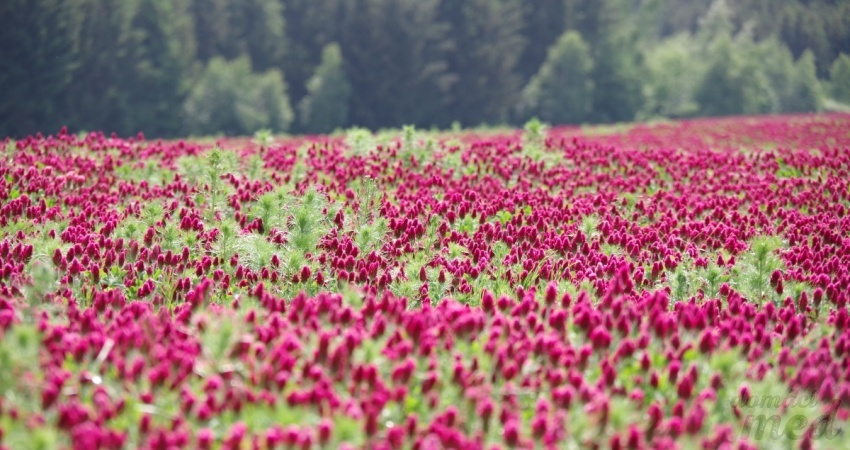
<point>617,71</point>
<point>839,77</point>
<point>310,26</point>
<point>543,23</point>
<point>395,58</point>
<point>673,74</point>
<point>732,85</point>
<point>487,45</point>
<point>562,91</point>
<point>95,94</point>
<point>775,61</point>
<point>257,29</point>
<point>807,92</point>
<point>212,22</point>
<point>155,66</point>
<point>325,107</point>
<point>618,93</point>
<point>35,65</point>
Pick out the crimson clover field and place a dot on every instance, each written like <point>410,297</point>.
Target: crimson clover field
<point>674,285</point>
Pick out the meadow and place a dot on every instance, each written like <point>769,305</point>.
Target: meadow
<point>669,285</point>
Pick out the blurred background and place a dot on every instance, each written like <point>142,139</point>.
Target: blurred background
<point>173,68</point>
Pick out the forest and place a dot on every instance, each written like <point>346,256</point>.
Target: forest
<point>173,68</point>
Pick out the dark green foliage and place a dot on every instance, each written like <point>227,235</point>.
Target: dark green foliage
<point>673,74</point>
<point>585,17</point>
<point>212,27</point>
<point>36,64</point>
<point>806,91</point>
<point>232,28</point>
<point>618,92</point>
<point>731,84</point>
<point>716,24</point>
<point>839,77</point>
<point>562,91</point>
<point>257,29</point>
<point>134,60</point>
<point>777,64</point>
<point>822,27</point>
<point>487,45</point>
<point>231,99</point>
<point>128,66</point>
<point>720,92</point>
<point>95,98</point>
<point>325,108</point>
<point>269,92</point>
<point>680,16</point>
<point>154,70</point>
<point>310,26</point>
<point>543,22</point>
<point>727,75</point>
<point>396,60</point>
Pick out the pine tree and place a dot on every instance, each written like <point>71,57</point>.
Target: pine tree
<point>807,92</point>
<point>589,18</point>
<point>673,72</point>
<point>543,24</point>
<point>267,95</point>
<point>395,58</point>
<point>159,48</point>
<point>678,16</point>
<point>617,71</point>
<point>212,21</point>
<point>777,64</point>
<point>487,47</point>
<point>235,28</point>
<point>310,26</point>
<point>839,77</point>
<point>717,23</point>
<point>802,27</point>
<point>562,91</point>
<point>732,85</point>
<point>257,29</point>
<point>210,107</point>
<point>94,94</point>
<point>719,92</point>
<point>35,65</point>
<point>325,107</point>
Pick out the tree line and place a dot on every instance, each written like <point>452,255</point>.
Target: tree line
<point>197,67</point>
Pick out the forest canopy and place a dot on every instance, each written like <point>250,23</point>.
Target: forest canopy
<point>173,68</point>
